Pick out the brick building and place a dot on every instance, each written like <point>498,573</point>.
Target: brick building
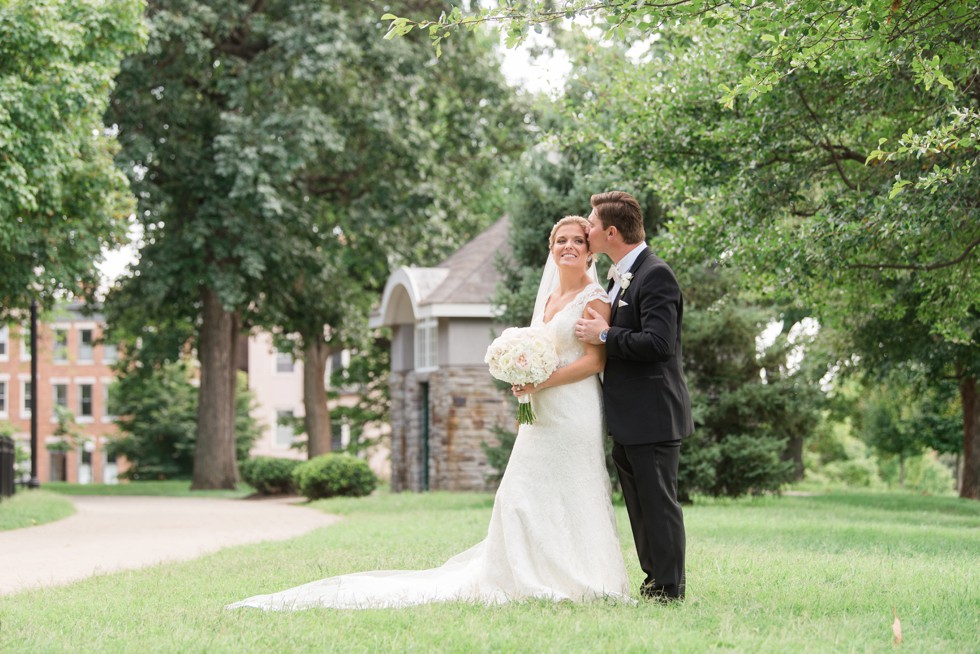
<point>74,372</point>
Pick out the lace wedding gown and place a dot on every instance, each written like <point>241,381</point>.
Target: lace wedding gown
<point>552,533</point>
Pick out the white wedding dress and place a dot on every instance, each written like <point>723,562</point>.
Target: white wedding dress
<point>552,533</point>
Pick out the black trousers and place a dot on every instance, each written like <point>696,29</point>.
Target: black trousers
<point>648,476</point>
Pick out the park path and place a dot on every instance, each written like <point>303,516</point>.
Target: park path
<point>108,534</point>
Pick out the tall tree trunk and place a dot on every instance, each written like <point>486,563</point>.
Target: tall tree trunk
<point>901,471</point>
<point>317,419</point>
<point>970,486</point>
<point>214,451</point>
<point>794,453</point>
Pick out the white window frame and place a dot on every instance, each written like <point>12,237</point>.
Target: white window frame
<point>25,406</point>
<point>280,429</point>
<point>55,382</point>
<point>106,384</point>
<point>5,342</point>
<point>25,342</point>
<point>80,345</point>
<point>427,345</point>
<point>110,353</point>
<point>4,396</point>
<point>280,358</point>
<point>80,382</point>
<point>56,349</point>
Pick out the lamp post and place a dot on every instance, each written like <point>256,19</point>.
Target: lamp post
<point>34,483</point>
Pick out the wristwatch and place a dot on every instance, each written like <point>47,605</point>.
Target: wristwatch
<point>603,334</point>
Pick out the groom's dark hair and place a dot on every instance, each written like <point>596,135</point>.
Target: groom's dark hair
<point>622,211</point>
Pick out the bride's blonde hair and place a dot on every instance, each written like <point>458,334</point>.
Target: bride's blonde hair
<point>572,220</point>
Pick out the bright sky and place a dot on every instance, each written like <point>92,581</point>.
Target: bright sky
<point>544,74</point>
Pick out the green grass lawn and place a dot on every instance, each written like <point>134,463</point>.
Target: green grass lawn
<point>790,574</point>
<point>168,488</point>
<point>28,508</point>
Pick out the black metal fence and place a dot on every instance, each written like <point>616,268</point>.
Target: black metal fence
<point>6,466</point>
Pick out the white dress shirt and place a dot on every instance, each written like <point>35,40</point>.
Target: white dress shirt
<point>625,264</point>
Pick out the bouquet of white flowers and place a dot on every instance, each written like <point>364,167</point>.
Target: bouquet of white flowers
<point>523,355</point>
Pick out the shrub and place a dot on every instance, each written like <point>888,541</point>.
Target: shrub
<point>331,475</point>
<point>853,472</point>
<point>751,464</point>
<point>923,473</point>
<point>269,475</point>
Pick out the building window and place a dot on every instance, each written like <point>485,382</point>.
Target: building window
<point>110,353</point>
<point>3,399</point>
<point>427,344</point>
<point>25,399</point>
<point>284,362</point>
<point>25,343</point>
<point>4,342</point>
<point>339,435</point>
<point>107,393</point>
<point>85,400</point>
<point>60,346</point>
<point>285,434</point>
<point>60,396</point>
<point>85,345</point>
<point>338,368</point>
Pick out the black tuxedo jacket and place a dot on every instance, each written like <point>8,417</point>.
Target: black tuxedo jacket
<point>644,390</point>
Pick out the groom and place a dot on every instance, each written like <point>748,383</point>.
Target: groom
<point>648,410</point>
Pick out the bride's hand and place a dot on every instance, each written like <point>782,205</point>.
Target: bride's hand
<point>523,389</point>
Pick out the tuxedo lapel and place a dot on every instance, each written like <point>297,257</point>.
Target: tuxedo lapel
<point>615,305</point>
<point>644,254</point>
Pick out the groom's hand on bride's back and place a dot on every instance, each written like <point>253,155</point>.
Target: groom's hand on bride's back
<point>590,326</point>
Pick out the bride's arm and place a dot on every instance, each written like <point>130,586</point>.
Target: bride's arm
<point>590,363</point>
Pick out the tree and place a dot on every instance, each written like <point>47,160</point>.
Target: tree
<point>157,409</point>
<point>283,159</point>
<point>753,411</point>
<point>367,379</point>
<point>839,164</point>
<point>413,174</point>
<point>933,42</point>
<point>61,198</point>
<point>901,345</point>
<point>743,424</point>
<point>780,186</point>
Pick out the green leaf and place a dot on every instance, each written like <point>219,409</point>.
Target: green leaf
<point>898,187</point>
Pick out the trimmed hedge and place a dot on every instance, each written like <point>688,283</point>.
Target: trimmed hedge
<point>269,475</point>
<point>331,475</point>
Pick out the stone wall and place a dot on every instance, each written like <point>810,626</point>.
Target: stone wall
<point>464,408</point>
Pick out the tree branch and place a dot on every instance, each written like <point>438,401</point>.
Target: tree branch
<point>923,267</point>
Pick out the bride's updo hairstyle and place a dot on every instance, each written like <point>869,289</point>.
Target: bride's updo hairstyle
<point>572,220</point>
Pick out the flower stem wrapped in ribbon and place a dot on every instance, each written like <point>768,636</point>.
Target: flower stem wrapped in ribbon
<point>523,355</point>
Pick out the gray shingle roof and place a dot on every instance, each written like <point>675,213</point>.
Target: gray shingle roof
<point>472,269</point>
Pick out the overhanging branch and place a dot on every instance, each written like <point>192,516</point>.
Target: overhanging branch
<point>924,267</point>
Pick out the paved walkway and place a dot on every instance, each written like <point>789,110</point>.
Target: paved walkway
<point>108,534</point>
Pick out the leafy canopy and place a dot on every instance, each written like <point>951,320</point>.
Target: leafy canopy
<point>62,201</point>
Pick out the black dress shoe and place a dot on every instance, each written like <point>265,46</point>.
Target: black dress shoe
<point>663,594</point>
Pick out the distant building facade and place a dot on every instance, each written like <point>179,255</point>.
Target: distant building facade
<point>74,369</point>
<point>444,403</point>
<point>276,382</point>
<point>74,372</point>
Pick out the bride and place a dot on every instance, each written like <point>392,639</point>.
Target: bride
<point>552,533</point>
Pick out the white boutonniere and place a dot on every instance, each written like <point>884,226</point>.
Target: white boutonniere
<point>624,281</point>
